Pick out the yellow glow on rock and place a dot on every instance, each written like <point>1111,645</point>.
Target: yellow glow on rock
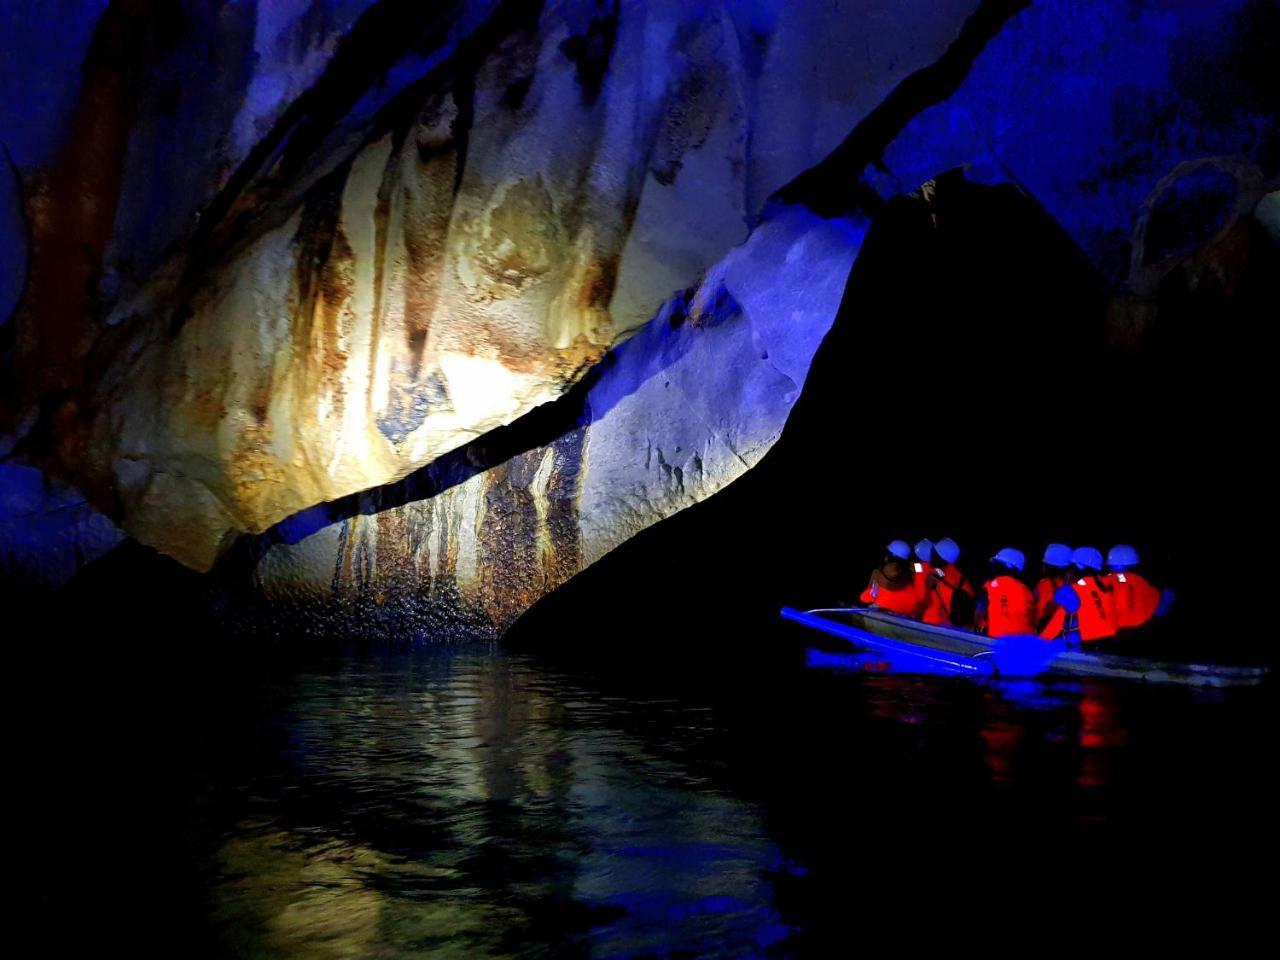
<point>483,390</point>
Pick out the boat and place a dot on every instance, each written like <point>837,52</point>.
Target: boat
<point>909,645</point>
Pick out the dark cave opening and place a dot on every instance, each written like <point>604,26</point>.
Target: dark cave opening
<point>968,388</point>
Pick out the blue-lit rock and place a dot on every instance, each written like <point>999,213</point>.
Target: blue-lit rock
<point>13,243</point>
<point>1090,105</point>
<point>369,265</point>
<point>48,533</point>
<point>448,254</point>
<point>683,408</point>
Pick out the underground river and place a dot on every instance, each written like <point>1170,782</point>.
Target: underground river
<point>465,800</point>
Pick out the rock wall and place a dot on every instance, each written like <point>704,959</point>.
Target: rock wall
<point>48,531</point>
<point>366,296</point>
<point>680,410</point>
<point>395,305</point>
<point>510,534</point>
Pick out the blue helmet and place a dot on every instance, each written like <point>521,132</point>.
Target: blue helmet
<point>900,549</point>
<point>1057,555</point>
<point>1087,558</point>
<point>924,550</point>
<point>1121,556</point>
<point>1012,558</point>
<point>946,548</point>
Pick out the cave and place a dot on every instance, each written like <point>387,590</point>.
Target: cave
<point>454,458</point>
<point>1006,406</point>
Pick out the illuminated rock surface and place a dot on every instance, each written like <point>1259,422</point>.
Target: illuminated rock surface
<point>318,294</point>
<point>367,296</point>
<point>677,412</point>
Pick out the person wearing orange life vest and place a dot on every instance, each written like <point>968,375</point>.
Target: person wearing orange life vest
<point>1136,600</point>
<point>922,567</point>
<point>949,594</point>
<point>893,584</point>
<point>1055,568</point>
<point>1008,606</point>
<point>1086,606</point>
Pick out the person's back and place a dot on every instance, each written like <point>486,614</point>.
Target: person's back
<point>1055,574</point>
<point>1086,607</point>
<point>951,593</point>
<point>931,609</point>
<point>1136,599</point>
<point>893,585</point>
<point>1010,606</point>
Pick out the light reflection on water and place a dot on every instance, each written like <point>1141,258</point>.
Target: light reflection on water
<point>473,806</point>
<point>471,802</point>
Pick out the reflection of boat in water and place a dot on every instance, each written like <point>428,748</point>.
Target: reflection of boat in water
<point>910,645</point>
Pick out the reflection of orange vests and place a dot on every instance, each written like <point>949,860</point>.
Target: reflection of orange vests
<point>1135,598</point>
<point>1096,618</point>
<point>905,600</point>
<point>1044,595</point>
<point>940,587</point>
<point>1011,607</point>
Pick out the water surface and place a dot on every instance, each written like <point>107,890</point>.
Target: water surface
<point>464,801</point>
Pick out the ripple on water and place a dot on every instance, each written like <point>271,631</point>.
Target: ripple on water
<point>486,809</point>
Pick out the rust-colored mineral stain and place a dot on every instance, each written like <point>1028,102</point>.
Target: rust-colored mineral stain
<point>394,552</point>
<point>521,241</point>
<point>337,283</point>
<point>260,396</point>
<point>344,576</point>
<point>324,272</point>
<point>598,286</point>
<point>71,208</point>
<point>528,549</point>
<point>426,228</point>
<point>204,400</point>
<point>387,188</point>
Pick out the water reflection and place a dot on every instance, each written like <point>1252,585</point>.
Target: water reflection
<point>1064,751</point>
<point>471,806</point>
<point>477,803</point>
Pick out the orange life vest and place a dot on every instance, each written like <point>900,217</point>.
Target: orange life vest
<point>1011,607</point>
<point>1135,598</point>
<point>906,600</point>
<point>1045,590</point>
<point>1096,618</point>
<point>940,587</point>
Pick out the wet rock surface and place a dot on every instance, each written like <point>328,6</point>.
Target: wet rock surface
<point>673,415</point>
<point>377,284</point>
<point>449,303</point>
<point>48,530</point>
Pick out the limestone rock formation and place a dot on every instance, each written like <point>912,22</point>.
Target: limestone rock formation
<point>48,530</point>
<point>677,412</point>
<point>395,303</point>
<point>461,255</point>
<point>501,538</point>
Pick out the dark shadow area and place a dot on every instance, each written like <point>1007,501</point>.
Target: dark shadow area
<point>828,188</point>
<point>195,797</point>
<point>967,389</point>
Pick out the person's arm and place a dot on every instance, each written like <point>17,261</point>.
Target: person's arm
<point>1067,598</point>
<point>1066,602</point>
<point>980,612</point>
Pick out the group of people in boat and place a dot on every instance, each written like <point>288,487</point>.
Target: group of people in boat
<point>1078,596</point>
